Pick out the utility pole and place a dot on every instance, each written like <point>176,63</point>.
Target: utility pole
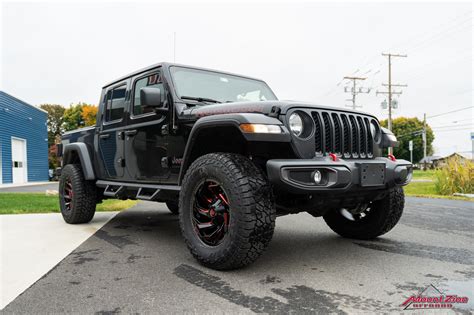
<point>354,91</point>
<point>389,86</point>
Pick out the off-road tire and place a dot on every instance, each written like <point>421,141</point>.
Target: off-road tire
<point>173,206</point>
<point>252,210</point>
<point>84,195</point>
<point>383,216</point>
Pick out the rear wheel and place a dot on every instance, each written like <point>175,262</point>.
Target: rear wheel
<point>77,197</point>
<point>227,212</point>
<point>369,222</point>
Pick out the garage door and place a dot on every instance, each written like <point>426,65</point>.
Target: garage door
<point>19,161</point>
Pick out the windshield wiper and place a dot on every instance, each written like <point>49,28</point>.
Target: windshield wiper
<point>199,99</point>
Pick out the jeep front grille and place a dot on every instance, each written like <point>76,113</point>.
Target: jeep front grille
<point>346,135</point>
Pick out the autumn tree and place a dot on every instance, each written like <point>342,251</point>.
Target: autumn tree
<point>55,129</point>
<point>54,121</point>
<point>407,129</point>
<point>79,115</point>
<point>89,114</point>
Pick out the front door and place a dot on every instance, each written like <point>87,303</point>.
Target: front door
<point>111,133</point>
<point>19,161</point>
<point>146,136</point>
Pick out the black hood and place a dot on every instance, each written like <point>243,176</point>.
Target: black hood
<point>264,107</point>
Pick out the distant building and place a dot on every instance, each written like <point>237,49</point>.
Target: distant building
<point>23,142</point>
<point>439,161</point>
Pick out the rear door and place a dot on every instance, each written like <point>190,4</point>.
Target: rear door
<point>111,132</point>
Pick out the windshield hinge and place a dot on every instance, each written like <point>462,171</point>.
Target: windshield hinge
<point>275,112</point>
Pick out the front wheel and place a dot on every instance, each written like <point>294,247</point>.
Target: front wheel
<point>227,212</point>
<point>376,219</point>
<point>77,197</point>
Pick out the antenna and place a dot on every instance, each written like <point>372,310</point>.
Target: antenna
<point>174,46</point>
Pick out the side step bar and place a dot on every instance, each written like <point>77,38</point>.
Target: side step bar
<point>144,191</point>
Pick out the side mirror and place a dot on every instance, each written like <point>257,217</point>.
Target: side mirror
<point>151,97</point>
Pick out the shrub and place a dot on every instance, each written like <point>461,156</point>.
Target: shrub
<point>457,176</point>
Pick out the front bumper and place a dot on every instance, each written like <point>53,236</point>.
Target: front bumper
<point>297,176</point>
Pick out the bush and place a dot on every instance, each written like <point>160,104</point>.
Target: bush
<point>457,176</point>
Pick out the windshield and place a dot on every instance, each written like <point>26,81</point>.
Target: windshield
<point>219,87</point>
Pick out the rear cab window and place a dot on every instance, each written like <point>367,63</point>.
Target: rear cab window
<point>115,103</point>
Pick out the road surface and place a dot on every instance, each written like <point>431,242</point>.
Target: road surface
<point>138,263</point>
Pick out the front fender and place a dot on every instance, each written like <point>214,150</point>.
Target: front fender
<point>234,121</point>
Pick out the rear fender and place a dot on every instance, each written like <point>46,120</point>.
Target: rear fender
<point>78,152</point>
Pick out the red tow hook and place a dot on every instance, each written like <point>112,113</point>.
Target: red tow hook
<point>392,157</point>
<point>333,157</point>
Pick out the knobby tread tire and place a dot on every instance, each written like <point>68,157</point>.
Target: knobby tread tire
<point>384,215</point>
<point>252,210</point>
<point>84,199</point>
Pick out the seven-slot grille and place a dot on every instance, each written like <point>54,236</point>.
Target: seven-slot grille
<point>346,135</point>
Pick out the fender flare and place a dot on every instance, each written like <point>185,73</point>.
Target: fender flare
<point>232,120</point>
<point>84,157</point>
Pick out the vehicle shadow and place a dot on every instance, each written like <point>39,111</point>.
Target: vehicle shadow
<point>150,225</point>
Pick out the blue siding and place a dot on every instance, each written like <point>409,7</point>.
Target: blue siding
<point>21,120</point>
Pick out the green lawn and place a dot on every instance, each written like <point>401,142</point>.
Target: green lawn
<point>18,203</point>
<point>427,190</point>
<point>428,174</point>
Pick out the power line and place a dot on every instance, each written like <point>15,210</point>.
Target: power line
<point>421,35</point>
<point>460,129</point>
<point>451,126</point>
<point>453,111</point>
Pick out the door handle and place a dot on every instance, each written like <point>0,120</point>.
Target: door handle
<point>104,136</point>
<point>131,133</point>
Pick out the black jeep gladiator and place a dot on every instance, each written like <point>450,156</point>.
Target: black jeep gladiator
<point>226,155</point>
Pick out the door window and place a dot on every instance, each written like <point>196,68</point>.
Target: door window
<point>152,80</point>
<point>115,103</point>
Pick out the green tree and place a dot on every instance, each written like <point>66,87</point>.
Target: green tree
<point>407,129</point>
<point>54,122</point>
<point>78,116</point>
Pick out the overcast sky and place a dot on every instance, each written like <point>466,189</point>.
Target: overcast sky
<point>64,53</point>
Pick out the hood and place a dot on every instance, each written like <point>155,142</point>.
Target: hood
<point>263,107</point>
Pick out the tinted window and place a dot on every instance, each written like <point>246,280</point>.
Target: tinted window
<point>115,103</point>
<point>153,80</point>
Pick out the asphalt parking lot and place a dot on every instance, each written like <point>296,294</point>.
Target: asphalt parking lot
<point>138,263</point>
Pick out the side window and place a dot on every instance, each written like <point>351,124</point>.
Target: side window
<point>152,80</point>
<point>115,104</point>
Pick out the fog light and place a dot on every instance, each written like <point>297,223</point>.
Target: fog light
<point>317,176</point>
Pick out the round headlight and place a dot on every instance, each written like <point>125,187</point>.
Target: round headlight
<point>296,124</point>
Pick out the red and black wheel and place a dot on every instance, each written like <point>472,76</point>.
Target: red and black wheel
<point>211,213</point>
<point>77,197</point>
<point>227,211</point>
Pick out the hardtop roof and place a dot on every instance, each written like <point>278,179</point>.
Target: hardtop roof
<point>168,64</point>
